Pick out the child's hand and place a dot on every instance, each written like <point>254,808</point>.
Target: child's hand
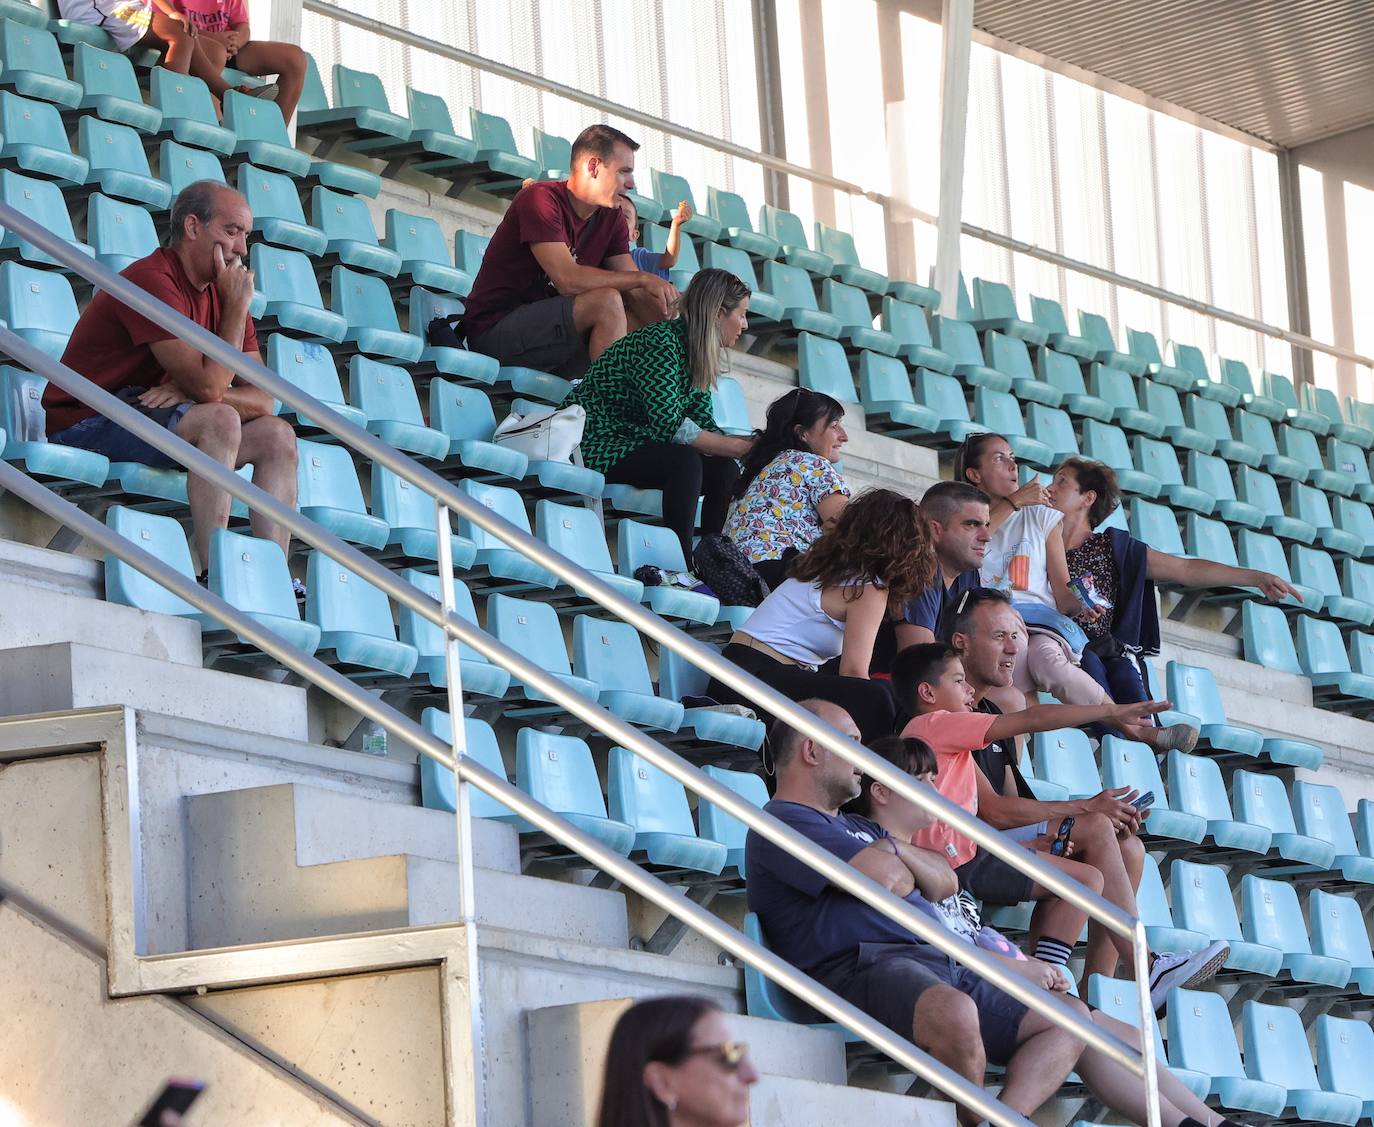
<point>682,214</point>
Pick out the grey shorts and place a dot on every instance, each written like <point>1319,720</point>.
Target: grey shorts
<point>993,881</point>
<point>541,335</point>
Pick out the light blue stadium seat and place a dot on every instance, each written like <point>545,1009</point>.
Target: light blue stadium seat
<point>386,394</point>
<point>944,397</point>
<point>1339,932</point>
<point>839,245</point>
<point>287,282</point>
<point>469,248</point>
<point>1143,346</point>
<point>459,363</point>
<point>498,165</point>
<point>1209,417</point>
<point>24,13</point>
<point>1260,550</point>
<point>1162,403</point>
<point>163,537</point>
<point>479,676</point>
<point>532,630</point>
<point>251,575</point>
<point>1258,489</point>
<point>260,135</point>
<point>576,532</point>
<point>1197,789</point>
<point>1322,657</point>
<point>1061,371</point>
<point>120,233</point>
<point>672,190</point>
<point>1276,457</point>
<point>360,111</point>
<point>188,113</point>
<point>1103,442</point>
<point>716,825</point>
<point>762,305</point>
<point>1126,763</point>
<point>180,165</point>
<point>679,679</point>
<point>277,214</point>
<point>766,999</point>
<point>1193,690</point>
<point>1271,916</point>
<point>419,243</point>
<point>42,201</point>
<point>510,569</point>
<point>1315,568</point>
<point>558,772</point>
<point>1010,356</point>
<point>998,412</point>
<point>736,230</point>
<point>23,420</point>
<point>1280,388</point>
<point>1049,315</point>
<point>465,415</point>
<point>1191,360</point>
<point>821,366</point>
<point>889,406</point>
<point>655,238</point>
<point>1066,757</point>
<point>438,789</point>
<point>1203,903</point>
<point>1346,460</point>
<point>1322,401</point>
<point>364,301</point>
<point>1212,476</point>
<point>355,623</point>
<point>787,231</point>
<point>959,340</point>
<point>350,236</point>
<point>729,408</point>
<point>117,164</point>
<point>409,514</point>
<point>994,310</point>
<point>791,286</point>
<point>655,804</point>
<point>431,146</point>
<point>328,493</point>
<point>1237,374</point>
<point>1357,520</point>
<point>1320,812</point>
<point>31,64</point>
<point>640,544</point>
<point>1155,524</point>
<point>611,655</point>
<point>1160,461</point>
<point>1267,638</point>
<point>1344,1050</point>
<point>1201,1040</point>
<point>33,139</point>
<point>849,306</point>
<point>1276,1053</point>
<point>110,88</point>
<point>1160,929</point>
<point>37,305</point>
<point>311,368</point>
<point>1053,429</point>
<point>1095,329</point>
<point>1116,997</point>
<point>907,322</point>
<point>1300,447</point>
<point>1116,389</point>
<point>1262,799</point>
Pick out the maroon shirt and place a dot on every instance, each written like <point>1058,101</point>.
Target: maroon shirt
<point>111,344</point>
<point>511,276</point>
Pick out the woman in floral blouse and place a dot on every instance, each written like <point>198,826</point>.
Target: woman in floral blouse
<point>648,404</point>
<point>789,491</point>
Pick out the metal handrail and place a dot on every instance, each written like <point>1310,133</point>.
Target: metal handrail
<point>777,164</point>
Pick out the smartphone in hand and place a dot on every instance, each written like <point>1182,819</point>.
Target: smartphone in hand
<point>172,1103</point>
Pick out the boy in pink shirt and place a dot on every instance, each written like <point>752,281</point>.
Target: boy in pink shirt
<point>220,29</point>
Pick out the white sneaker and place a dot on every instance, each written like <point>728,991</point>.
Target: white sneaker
<point>1184,968</point>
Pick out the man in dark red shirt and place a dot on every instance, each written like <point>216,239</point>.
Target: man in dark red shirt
<point>203,274</point>
<point>557,283</point>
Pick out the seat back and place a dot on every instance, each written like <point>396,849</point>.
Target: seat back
<point>942,394</point>
<point>1066,757</point>
<point>325,478</point>
<point>1162,402</point>
<point>1054,428</point>
<point>883,379</point>
<point>1355,517</point>
<point>1008,355</point>
<point>1193,690</point>
<point>1268,641</point>
<point>430,640</point>
<point>1308,503</point>
<point>108,74</point>
<point>503,502</point>
<point>999,412</point>
<point>848,304</point>
<point>492,132</point>
<point>1258,432</point>
<point>531,629</point>
<point>1117,998</point>
<point>1208,416</point>
<point>313,96</point>
<point>307,365</point>
<point>655,238</point>
<point>906,322</point>
<point>646,796</point>
<point>1060,371</point>
<point>416,238</point>
<point>1048,314</point>
<point>1196,787</point>
<point>341,216</point>
<point>120,233</point>
<point>1344,1049</point>
<point>1293,442</point>
<point>337,600</point>
<point>383,391</point>
<point>679,678</point>
<point>1347,458</point>
<point>639,544</point>
<point>611,654</point>
<point>1263,551</point>
<point>437,788</point>
<point>1095,328</point>
<point>106,144</point>
<point>1211,474</point>
<point>25,121</point>
<point>1237,374</point>
<point>1320,647</point>
<point>41,200</point>
<point>1209,539</point>
<point>671,189</point>
<point>469,249</point>
<point>362,300</point>
<point>728,209</point>
<point>1143,346</point>
<point>160,536</point>
<point>1276,1047</point>
<point>1313,567</point>
<point>958,339</point>
<point>575,532</point>
<point>255,119</point>
<point>270,195</point>
<point>1202,900</point>
<point>33,49</point>
<point>39,305</point>
<point>552,153</point>
<point>358,88</point>
<point>251,575</point>
<point>179,165</point>
<point>1113,386</point>
<point>1200,1036</point>
<point>839,245</point>
<point>1338,929</point>
<point>1364,826</point>
<point>1262,799</point>
<point>399,503</point>
<point>993,301</point>
<point>729,408</point>
<point>1322,401</point>
<point>783,226</point>
<point>1357,580</point>
<point>461,411</point>
<point>1190,359</point>
<point>1319,811</point>
<point>181,97</point>
<point>558,772</point>
<point>284,275</point>
<point>429,112</point>
<point>789,284</point>
<point>716,824</point>
<point>730,259</point>
<point>1155,524</point>
<point>1157,459</point>
<point>1151,902</point>
<point>1126,763</point>
<point>1255,487</point>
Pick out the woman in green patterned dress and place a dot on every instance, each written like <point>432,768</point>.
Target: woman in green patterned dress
<point>648,404</point>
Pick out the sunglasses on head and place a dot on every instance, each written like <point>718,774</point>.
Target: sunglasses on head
<point>728,1054</point>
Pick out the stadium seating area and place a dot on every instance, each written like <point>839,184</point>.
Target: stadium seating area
<point>1216,462</point>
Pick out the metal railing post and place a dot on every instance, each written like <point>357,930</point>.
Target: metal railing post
<point>1140,951</point>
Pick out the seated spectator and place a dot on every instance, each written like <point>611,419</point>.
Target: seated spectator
<point>137,26</point>
<point>203,274</point>
<point>650,261</point>
<point>789,491</point>
<point>1121,571</point>
<point>957,521</point>
<point>1111,1082</point>
<point>868,959</point>
<point>672,1062</point>
<point>553,286</point>
<point>930,681</point>
<point>648,402</point>
<point>874,559</point>
<point>1026,559</point>
<point>222,36</point>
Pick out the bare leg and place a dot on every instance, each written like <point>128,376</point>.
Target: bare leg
<point>285,60</point>
<point>269,444</point>
<point>600,314</point>
<point>214,429</point>
<point>171,37</point>
<point>1122,1090</point>
<point>640,310</point>
<point>1096,844</point>
<point>1044,1056</point>
<point>1056,918</point>
<point>945,1024</point>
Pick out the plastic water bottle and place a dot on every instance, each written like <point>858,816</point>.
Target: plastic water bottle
<point>374,740</point>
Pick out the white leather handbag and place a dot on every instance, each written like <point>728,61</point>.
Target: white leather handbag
<point>550,435</point>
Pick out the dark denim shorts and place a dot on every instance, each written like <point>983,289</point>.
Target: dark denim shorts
<point>101,436</point>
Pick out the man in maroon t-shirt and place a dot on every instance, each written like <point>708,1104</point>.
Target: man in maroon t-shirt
<point>202,274</point>
<point>557,283</point>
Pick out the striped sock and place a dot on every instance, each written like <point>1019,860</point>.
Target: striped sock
<point>1053,951</point>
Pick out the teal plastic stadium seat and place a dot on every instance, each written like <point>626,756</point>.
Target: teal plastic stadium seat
<point>1346,460</point>
<point>577,532</point>
<point>433,146</point>
<point>1143,346</point>
<point>409,514</point>
<point>554,156</point>
<point>251,576</point>
<point>1262,799</point>
<point>1162,403</point>
<point>1344,1049</point>
<point>655,238</point>
<point>465,415</point>
<point>821,366</point>
<point>1212,476</point>
<point>277,214</point>
<point>1095,329</point>
<point>328,493</point>
<point>1193,690</point>
<point>1237,374</point>
<point>907,322</point>
<point>1201,1040</point>
<point>1322,401</point>
<point>1066,757</point>
<point>479,676</point>
<point>386,394</point>
<point>839,245</point>
<point>532,630</point>
<point>1209,417</point>
<point>162,537</point>
<point>1061,371</point>
<point>1126,763</point>
<point>23,420</point>
<point>1276,1053</point>
<point>717,825</point>
<point>117,164</point>
<point>1010,356</point>
<point>120,233</point>
<point>260,135</point>
<point>1207,539</point>
<point>1339,932</point>
<point>733,261</point>
<point>459,363</point>
<point>1260,550</point>
<point>110,89</point>
<point>792,288</point>
<point>1308,503</point>
<point>24,13</point>
<point>1320,812</point>
<point>1356,519</point>
<point>1271,915</point>
<point>729,408</point>
<point>1314,568</point>
<point>31,63</point>
<point>611,655</point>
<point>287,282</point>
<point>850,307</point>
<point>188,113</point>
<point>1105,443</point>
<point>438,788</point>
<point>1159,460</point>
<point>889,408</point>
<point>655,804</point>
<point>311,368</point>
<point>959,340</point>
<point>787,230</point>
<point>515,570</point>
<point>364,301</point>
<point>1280,388</point>
<point>1300,446</point>
<point>671,190</point>
<point>998,412</point>
<point>1160,929</point>
<point>1203,903</point>
<point>944,397</point>
<point>1116,389</point>
<point>37,305</point>
<point>1267,638</point>
<point>994,310</point>
<point>1260,491</point>
<point>40,200</point>
<point>1197,789</point>
<point>1053,429</point>
<point>640,544</point>
<point>505,168</point>
<point>419,243</point>
<point>1116,997</point>
<point>179,165</point>
<point>732,213</point>
<point>766,999</point>
<point>1049,315</point>
<point>679,679</point>
<point>347,226</point>
<point>1192,361</point>
<point>360,111</point>
<point>32,137</point>
<point>558,772</point>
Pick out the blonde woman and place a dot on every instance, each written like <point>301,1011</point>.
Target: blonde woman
<point>648,404</point>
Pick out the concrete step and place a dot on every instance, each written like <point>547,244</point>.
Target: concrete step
<point>63,675</point>
<point>777,1101</point>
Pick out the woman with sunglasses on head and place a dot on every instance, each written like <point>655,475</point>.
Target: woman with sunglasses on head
<point>671,1062</point>
<point>1026,558</point>
<point>789,490</point>
<point>866,567</point>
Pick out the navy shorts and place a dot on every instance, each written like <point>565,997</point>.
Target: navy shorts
<point>541,335</point>
<point>886,979</point>
<point>101,436</point>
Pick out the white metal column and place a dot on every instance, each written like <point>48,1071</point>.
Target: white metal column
<point>957,27</point>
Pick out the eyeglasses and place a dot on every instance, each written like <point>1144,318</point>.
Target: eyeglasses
<point>728,1054</point>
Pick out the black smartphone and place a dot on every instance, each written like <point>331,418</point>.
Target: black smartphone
<point>1144,801</point>
<point>1061,839</point>
<point>177,1096</point>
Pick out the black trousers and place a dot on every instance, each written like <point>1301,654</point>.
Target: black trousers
<point>683,474</point>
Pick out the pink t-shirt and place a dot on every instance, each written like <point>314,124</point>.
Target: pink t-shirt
<point>954,737</point>
<point>213,15</point>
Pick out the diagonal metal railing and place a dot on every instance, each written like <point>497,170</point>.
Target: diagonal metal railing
<point>844,876</point>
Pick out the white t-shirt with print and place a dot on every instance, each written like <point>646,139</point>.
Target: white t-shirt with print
<point>1015,559</point>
